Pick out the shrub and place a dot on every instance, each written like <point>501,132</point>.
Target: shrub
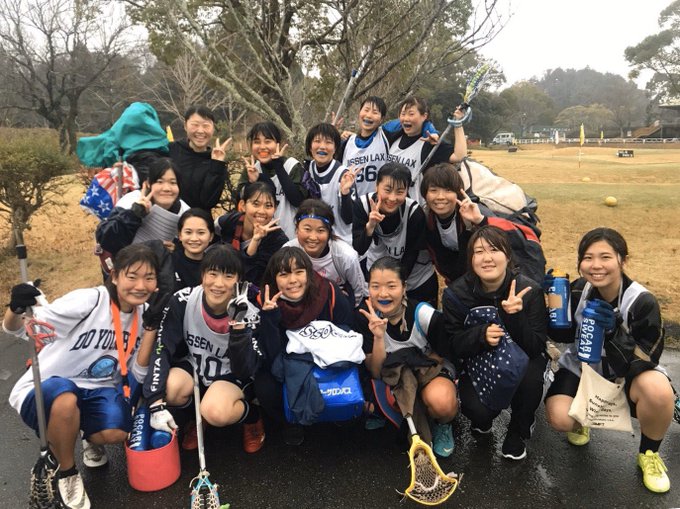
<point>29,169</point>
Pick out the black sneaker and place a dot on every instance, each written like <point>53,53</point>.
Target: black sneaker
<point>513,446</point>
<point>294,434</point>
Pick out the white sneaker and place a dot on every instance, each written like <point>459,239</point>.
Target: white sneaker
<point>72,492</point>
<point>94,455</point>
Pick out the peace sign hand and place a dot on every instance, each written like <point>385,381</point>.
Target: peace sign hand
<point>513,304</point>
<point>252,171</point>
<point>146,198</point>
<point>337,122</point>
<point>374,217</point>
<point>376,325</point>
<point>260,231</point>
<point>347,179</point>
<point>469,210</point>
<point>219,152</point>
<point>279,151</point>
<point>270,304</point>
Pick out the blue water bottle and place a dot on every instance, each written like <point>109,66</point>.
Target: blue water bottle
<point>591,337</point>
<point>160,439</point>
<point>559,303</point>
<point>141,430</point>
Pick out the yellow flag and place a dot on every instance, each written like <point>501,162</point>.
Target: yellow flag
<point>602,135</point>
<point>171,138</point>
<point>582,136</point>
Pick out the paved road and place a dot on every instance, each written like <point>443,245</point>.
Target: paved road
<point>352,468</point>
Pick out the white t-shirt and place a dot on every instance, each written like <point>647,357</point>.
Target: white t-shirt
<point>84,350</point>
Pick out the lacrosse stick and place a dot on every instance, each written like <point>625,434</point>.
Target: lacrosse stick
<point>42,495</point>
<point>429,484</point>
<point>473,87</point>
<point>204,494</point>
<point>341,106</point>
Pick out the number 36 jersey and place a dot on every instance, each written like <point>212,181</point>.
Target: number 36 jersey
<point>370,157</point>
<point>184,332</point>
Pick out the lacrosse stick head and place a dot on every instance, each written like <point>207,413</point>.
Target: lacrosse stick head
<point>204,494</point>
<point>676,410</point>
<point>429,484</point>
<point>41,333</point>
<point>43,479</point>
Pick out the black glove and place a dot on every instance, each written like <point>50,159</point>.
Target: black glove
<point>548,280</point>
<point>24,296</point>
<point>605,316</point>
<point>151,319</point>
<point>238,306</point>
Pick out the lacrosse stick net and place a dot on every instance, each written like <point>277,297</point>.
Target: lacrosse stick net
<point>429,484</point>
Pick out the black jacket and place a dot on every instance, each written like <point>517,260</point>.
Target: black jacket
<point>253,266</point>
<point>202,178</point>
<point>528,328</point>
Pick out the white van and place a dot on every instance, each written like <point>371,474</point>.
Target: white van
<point>503,139</point>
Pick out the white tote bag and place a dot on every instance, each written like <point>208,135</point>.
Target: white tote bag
<point>600,403</point>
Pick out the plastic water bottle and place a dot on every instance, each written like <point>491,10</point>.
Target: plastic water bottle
<point>160,439</point>
<point>559,302</point>
<point>591,337</point>
<point>140,434</point>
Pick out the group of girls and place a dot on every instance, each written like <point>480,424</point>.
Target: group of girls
<point>359,255</point>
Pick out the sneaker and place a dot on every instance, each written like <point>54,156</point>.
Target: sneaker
<point>94,455</point>
<point>442,440</point>
<point>190,439</point>
<point>654,472</point>
<point>293,434</point>
<point>579,437</point>
<point>513,446</point>
<point>253,436</point>
<point>71,492</point>
<point>374,422</point>
<point>483,431</point>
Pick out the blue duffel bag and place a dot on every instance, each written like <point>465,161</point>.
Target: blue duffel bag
<point>341,392</point>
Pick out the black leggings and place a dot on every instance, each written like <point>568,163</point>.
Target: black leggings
<point>524,402</point>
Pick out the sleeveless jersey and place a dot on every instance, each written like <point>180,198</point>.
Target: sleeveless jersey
<point>329,183</point>
<point>370,158</point>
<point>394,245</point>
<point>411,157</point>
<point>207,347</point>
<point>569,358</point>
<point>285,211</point>
<point>418,338</point>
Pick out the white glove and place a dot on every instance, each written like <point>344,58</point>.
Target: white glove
<point>162,420</point>
<point>238,305</point>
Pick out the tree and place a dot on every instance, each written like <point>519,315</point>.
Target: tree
<point>570,87</point>
<point>593,118</point>
<point>271,57</point>
<point>529,106</point>
<point>57,50</point>
<point>29,171</point>
<point>660,53</point>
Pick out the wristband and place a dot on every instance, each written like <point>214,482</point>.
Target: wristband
<point>158,408</point>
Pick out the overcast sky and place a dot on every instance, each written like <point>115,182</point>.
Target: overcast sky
<point>572,34</point>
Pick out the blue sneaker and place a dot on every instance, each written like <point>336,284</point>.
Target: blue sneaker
<point>442,439</point>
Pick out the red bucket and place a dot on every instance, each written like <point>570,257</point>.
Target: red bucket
<point>154,469</point>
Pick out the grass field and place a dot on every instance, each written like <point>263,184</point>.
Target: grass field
<point>647,188</point>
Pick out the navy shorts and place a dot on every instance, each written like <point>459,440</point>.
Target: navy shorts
<point>189,368</point>
<point>100,409</point>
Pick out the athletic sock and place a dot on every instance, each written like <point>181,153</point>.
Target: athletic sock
<point>647,444</point>
<point>68,473</point>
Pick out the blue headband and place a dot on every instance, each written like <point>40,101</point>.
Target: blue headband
<point>312,216</point>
